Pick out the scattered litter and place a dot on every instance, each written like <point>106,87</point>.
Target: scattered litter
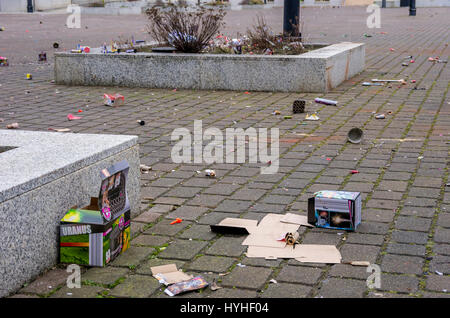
<point>357,263</point>
<point>367,35</point>
<point>298,106</point>
<point>439,273</point>
<point>354,171</point>
<point>325,101</point>
<point>55,45</point>
<point>113,100</point>
<point>29,77</point>
<point>420,157</point>
<point>371,84</point>
<point>389,81</point>
<point>248,93</point>
<point>312,117</point>
<point>69,294</point>
<point>12,126</point>
<point>192,284</point>
<point>276,112</point>
<point>72,117</point>
<point>140,122</point>
<point>2,29</point>
<point>355,135</point>
<point>3,61</point>
<point>59,129</point>
<point>335,209</point>
<point>240,265</point>
<point>177,220</point>
<point>169,274</point>
<point>144,168</point>
<point>210,173</point>
<point>287,117</point>
<point>380,116</point>
<point>214,286</point>
<point>405,64</point>
<point>392,49</point>
<point>273,281</point>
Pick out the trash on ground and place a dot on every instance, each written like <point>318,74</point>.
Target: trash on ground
<point>29,76</point>
<point>12,126</point>
<point>312,117</point>
<point>405,64</point>
<point>389,80</point>
<point>335,209</point>
<point>72,117</point>
<point>325,101</point>
<point>55,45</point>
<point>144,168</point>
<point>276,112</point>
<point>2,29</point>
<point>169,274</point>
<point>176,221</point>
<point>357,263</point>
<point>240,265</point>
<point>195,283</point>
<point>113,100</point>
<point>210,173</point>
<point>355,135</point>
<point>354,171</point>
<point>380,116</point>
<point>140,122</point>
<point>96,234</point>
<point>287,117</point>
<point>273,281</point>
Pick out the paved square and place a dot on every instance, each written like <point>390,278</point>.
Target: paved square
<point>402,162</point>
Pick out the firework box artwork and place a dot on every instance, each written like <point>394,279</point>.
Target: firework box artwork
<point>335,210</point>
<point>96,234</point>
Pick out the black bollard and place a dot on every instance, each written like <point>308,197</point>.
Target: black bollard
<point>291,18</point>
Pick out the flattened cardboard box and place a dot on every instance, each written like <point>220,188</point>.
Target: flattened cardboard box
<point>96,234</point>
<point>169,274</point>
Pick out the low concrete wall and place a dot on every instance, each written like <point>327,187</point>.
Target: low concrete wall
<point>40,180</point>
<point>315,71</point>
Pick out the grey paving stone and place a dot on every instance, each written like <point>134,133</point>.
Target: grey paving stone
<point>233,293</point>
<point>247,277</point>
<point>150,240</point>
<point>104,275</point>
<point>409,237</point>
<point>83,292</point>
<point>342,288</point>
<point>197,231</point>
<point>438,283</point>
<point>349,271</point>
<point>132,256</point>
<point>165,228</point>
<point>370,239</point>
<point>186,212</point>
<point>233,206</point>
<point>299,274</point>
<point>47,282</point>
<point>399,283</point>
<point>215,264</point>
<point>357,252</point>
<point>227,246</point>
<point>442,235</point>
<point>413,223</point>
<point>406,249</point>
<point>135,286</point>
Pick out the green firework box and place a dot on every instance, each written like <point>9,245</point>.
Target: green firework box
<point>96,234</point>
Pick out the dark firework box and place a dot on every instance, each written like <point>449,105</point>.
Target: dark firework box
<point>96,234</point>
<point>335,210</point>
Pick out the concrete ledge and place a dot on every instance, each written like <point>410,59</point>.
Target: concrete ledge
<point>314,71</point>
<point>40,179</point>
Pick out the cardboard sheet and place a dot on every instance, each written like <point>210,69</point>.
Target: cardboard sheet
<point>169,274</point>
<point>296,219</point>
<point>306,253</point>
<point>269,231</point>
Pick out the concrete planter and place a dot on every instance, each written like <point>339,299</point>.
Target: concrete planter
<point>315,71</point>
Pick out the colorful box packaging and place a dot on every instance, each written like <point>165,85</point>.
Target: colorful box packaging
<point>96,234</point>
<point>335,210</point>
